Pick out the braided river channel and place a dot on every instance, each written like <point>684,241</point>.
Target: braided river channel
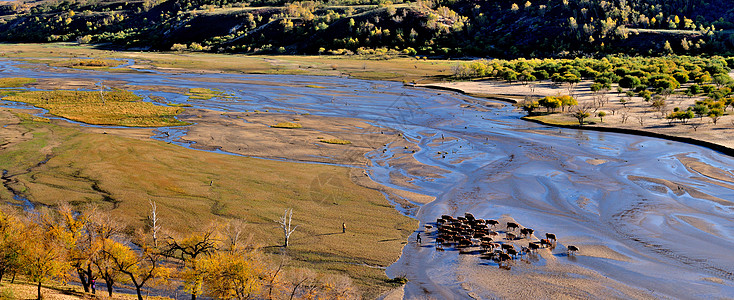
<point>652,218</point>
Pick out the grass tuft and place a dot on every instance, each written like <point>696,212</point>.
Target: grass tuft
<point>335,141</point>
<point>15,82</point>
<point>203,93</point>
<point>288,125</point>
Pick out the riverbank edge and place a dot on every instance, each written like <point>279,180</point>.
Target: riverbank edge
<point>702,143</point>
<point>502,98</point>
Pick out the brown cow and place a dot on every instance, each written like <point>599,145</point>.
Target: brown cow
<point>546,242</point>
<point>550,236</point>
<point>526,232</point>
<point>512,225</point>
<point>572,249</point>
<point>465,243</point>
<point>492,223</point>
<point>507,246</point>
<point>504,257</point>
<point>533,246</point>
<point>487,246</point>
<point>510,236</point>
<point>512,252</point>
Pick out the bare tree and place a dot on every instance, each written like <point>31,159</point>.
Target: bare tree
<point>233,234</point>
<point>155,225</point>
<point>304,279</point>
<point>101,92</point>
<point>599,100</point>
<point>272,277</point>
<point>641,120</point>
<point>625,116</point>
<point>285,223</point>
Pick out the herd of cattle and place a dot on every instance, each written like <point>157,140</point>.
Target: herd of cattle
<point>466,233</point>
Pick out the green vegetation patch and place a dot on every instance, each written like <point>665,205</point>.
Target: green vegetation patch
<point>634,73</point>
<point>554,119</point>
<point>11,82</point>
<point>335,141</point>
<point>87,63</point>
<point>203,93</point>
<point>117,107</point>
<point>288,125</point>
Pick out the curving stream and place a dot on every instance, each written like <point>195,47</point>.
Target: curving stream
<point>653,218</point>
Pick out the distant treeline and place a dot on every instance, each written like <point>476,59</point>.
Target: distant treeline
<point>504,28</point>
<point>638,73</point>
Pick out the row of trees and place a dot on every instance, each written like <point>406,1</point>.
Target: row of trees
<point>550,103</point>
<point>629,72</point>
<point>220,261</point>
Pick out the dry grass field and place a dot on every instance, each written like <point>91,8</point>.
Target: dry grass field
<point>62,162</point>
<point>115,107</point>
<point>406,69</point>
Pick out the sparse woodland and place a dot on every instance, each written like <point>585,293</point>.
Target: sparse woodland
<point>654,81</point>
<point>221,262</point>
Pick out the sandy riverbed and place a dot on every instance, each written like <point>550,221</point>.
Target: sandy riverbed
<point>618,115</point>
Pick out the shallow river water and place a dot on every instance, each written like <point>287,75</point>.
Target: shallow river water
<point>649,222</point>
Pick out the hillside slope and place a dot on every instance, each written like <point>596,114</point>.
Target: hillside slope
<point>448,28</point>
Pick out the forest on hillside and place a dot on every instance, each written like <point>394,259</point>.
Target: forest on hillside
<point>449,28</point>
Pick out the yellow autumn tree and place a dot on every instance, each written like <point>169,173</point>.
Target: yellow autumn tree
<point>104,229</point>
<point>10,242</point>
<point>43,253</point>
<point>192,251</point>
<point>75,228</point>
<point>142,266</point>
<point>105,265</point>
<point>233,275</point>
<point>567,101</point>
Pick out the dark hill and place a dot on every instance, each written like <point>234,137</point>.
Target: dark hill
<point>448,28</point>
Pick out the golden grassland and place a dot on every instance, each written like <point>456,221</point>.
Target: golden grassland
<point>203,93</point>
<point>74,63</point>
<point>335,141</point>
<point>115,107</point>
<point>406,69</point>
<point>558,119</point>
<point>10,82</point>
<point>287,125</point>
<point>193,188</point>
